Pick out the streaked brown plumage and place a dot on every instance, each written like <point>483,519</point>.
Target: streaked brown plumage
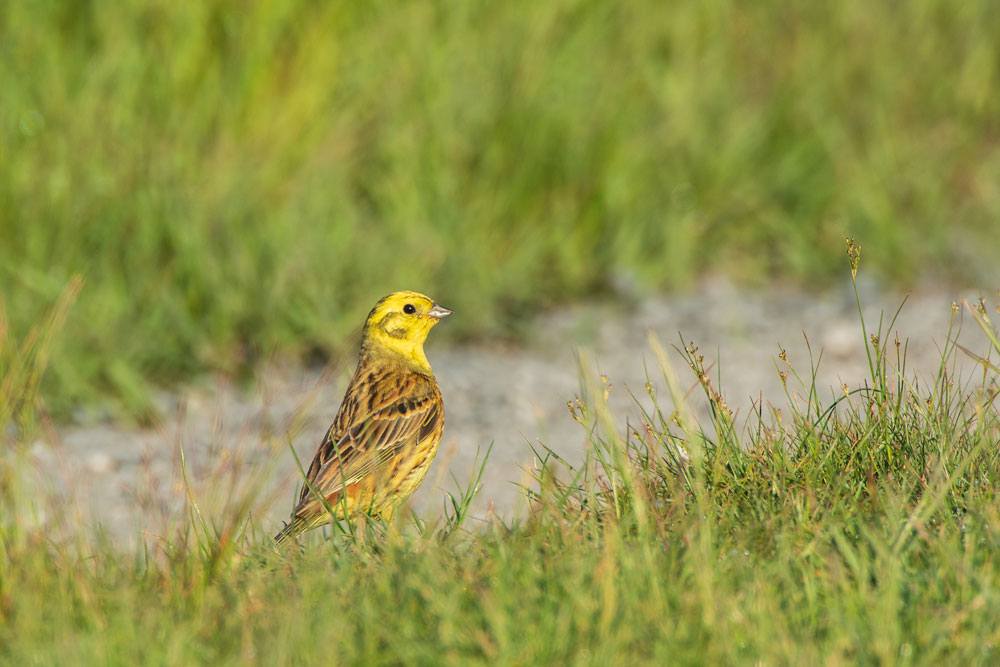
<point>388,427</point>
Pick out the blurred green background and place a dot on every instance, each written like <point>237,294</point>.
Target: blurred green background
<point>236,179</point>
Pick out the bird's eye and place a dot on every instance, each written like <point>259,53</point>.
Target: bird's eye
<point>409,309</point>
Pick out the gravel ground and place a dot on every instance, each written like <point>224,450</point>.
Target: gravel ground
<point>127,481</point>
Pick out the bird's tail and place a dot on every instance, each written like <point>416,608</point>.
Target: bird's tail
<point>290,531</point>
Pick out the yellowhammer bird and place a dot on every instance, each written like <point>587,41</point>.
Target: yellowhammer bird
<point>388,427</point>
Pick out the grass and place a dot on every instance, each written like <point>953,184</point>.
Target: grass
<point>236,180</point>
<point>861,528</point>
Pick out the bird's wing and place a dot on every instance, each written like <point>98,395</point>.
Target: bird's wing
<point>370,429</point>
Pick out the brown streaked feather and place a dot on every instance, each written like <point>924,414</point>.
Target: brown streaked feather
<point>387,413</point>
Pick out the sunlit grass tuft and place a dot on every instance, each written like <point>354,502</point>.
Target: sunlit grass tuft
<point>860,528</point>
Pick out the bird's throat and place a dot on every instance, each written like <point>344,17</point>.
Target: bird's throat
<point>409,352</point>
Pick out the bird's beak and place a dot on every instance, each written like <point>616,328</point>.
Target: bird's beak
<point>437,312</point>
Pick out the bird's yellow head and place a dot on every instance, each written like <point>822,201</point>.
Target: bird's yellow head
<point>400,323</point>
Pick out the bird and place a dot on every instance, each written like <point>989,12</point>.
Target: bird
<point>388,427</point>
